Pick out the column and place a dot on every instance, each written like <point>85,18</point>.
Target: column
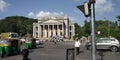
<point>66,30</point>
<point>38,31</point>
<point>54,30</point>
<point>34,33</point>
<point>50,31</point>
<point>43,31</point>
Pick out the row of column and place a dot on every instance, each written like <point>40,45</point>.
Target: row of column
<point>46,31</point>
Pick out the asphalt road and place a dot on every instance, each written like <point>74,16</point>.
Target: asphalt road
<point>51,51</point>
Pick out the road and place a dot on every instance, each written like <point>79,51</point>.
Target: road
<point>51,51</point>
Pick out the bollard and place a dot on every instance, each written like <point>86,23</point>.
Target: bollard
<point>70,55</point>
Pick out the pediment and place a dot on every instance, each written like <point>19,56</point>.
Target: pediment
<point>51,21</point>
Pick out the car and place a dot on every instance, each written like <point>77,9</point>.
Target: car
<point>38,41</point>
<point>105,43</point>
<point>22,40</point>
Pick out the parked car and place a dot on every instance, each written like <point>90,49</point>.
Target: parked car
<point>23,40</point>
<point>105,43</point>
<point>38,41</point>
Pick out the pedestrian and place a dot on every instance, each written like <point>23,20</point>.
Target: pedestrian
<point>25,54</point>
<point>77,46</point>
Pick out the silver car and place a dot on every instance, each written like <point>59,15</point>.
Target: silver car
<point>38,41</point>
<point>106,43</point>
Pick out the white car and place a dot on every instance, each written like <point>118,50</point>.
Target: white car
<point>22,40</point>
<point>38,42</point>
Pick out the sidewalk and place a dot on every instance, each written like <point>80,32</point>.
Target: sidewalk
<point>86,55</point>
<point>83,56</point>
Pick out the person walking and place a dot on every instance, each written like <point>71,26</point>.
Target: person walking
<point>77,46</point>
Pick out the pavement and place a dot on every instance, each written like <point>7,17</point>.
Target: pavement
<point>100,55</point>
<point>51,51</point>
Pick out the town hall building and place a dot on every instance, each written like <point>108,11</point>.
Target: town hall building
<point>46,28</point>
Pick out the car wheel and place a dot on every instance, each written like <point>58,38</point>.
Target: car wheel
<point>114,49</point>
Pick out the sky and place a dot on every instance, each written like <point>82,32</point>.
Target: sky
<point>104,9</point>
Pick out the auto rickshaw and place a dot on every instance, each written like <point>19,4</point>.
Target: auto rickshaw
<point>30,43</point>
<point>9,45</point>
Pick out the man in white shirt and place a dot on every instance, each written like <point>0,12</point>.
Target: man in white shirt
<point>77,46</point>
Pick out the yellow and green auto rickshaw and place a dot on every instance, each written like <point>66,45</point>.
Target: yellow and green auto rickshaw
<point>30,43</point>
<point>9,46</point>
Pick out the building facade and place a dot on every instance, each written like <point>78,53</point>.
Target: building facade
<point>46,28</point>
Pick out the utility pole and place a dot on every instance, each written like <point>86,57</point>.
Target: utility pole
<point>89,11</point>
<point>93,29</point>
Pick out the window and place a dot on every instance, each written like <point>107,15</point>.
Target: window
<point>99,41</point>
<point>106,40</point>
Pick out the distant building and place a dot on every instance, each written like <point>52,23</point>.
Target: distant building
<point>46,28</point>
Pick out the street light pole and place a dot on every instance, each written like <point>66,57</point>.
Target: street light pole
<point>89,10</point>
<point>92,17</point>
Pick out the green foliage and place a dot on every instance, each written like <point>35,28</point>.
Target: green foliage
<point>18,24</point>
<point>106,27</point>
<point>79,31</point>
<point>87,28</point>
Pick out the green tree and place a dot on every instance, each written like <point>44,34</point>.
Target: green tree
<point>87,28</point>
<point>78,31</point>
<point>19,24</point>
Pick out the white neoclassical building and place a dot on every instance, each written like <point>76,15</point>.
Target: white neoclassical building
<point>46,28</point>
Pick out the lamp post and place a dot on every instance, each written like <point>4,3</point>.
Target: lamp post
<point>92,17</point>
<point>89,10</point>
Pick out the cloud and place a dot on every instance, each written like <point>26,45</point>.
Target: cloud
<point>73,19</point>
<point>31,15</point>
<point>43,14</point>
<point>104,6</point>
<point>3,5</point>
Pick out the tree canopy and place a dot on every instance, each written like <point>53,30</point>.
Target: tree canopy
<point>106,28</point>
<point>18,24</point>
